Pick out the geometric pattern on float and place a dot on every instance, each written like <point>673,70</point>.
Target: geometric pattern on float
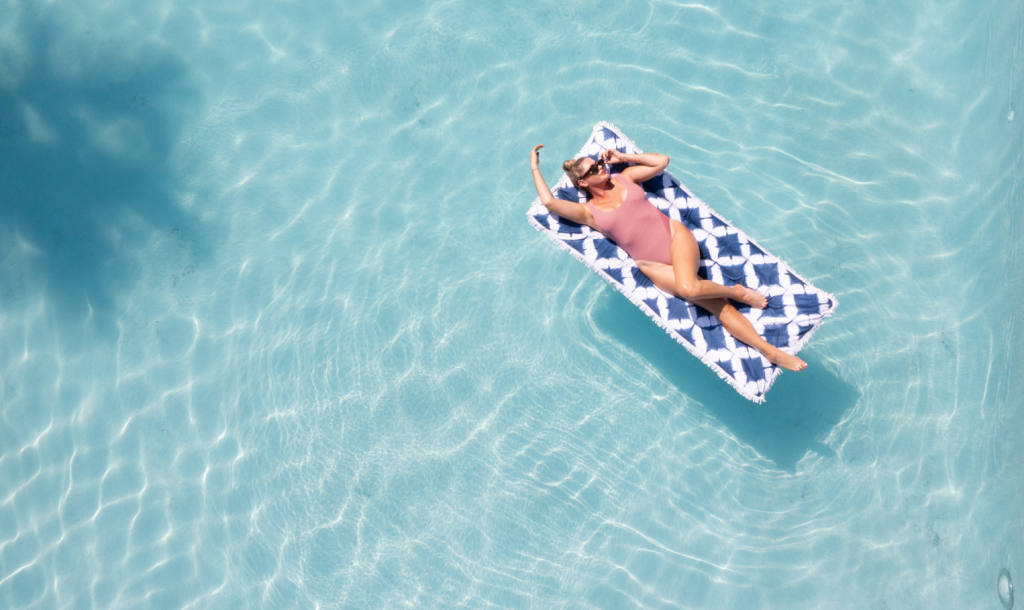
<point>796,308</point>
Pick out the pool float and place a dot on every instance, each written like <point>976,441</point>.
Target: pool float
<point>795,309</point>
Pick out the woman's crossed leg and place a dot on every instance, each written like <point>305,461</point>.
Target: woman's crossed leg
<point>680,279</point>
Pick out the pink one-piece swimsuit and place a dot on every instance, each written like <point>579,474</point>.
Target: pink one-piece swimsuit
<point>637,226</point>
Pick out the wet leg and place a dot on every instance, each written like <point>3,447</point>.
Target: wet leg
<point>741,329</point>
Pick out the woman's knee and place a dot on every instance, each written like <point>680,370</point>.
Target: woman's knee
<point>688,290</point>
<point>727,311</point>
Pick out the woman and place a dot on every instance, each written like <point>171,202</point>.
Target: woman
<point>663,249</point>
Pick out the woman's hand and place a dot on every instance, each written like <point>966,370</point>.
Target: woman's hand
<point>612,156</point>
<point>535,156</point>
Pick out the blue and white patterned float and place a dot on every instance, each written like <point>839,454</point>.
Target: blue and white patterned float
<point>795,308</point>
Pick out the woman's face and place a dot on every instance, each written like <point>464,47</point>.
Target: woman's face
<point>592,173</point>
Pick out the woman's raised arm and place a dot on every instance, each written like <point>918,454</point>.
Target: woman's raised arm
<point>538,180</point>
<point>570,210</point>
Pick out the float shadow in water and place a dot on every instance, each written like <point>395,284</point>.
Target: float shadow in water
<point>801,408</point>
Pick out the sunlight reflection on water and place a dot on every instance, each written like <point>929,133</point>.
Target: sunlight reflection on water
<point>273,331</point>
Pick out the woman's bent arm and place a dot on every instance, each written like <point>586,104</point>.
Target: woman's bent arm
<point>648,165</point>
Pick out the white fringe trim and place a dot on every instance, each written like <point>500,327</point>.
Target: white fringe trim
<point>644,307</point>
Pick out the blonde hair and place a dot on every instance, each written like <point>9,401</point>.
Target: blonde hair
<point>571,169</point>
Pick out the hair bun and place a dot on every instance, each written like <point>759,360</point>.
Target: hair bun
<point>567,166</point>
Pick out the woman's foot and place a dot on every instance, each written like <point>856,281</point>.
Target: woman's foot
<point>750,297</point>
<point>786,361</point>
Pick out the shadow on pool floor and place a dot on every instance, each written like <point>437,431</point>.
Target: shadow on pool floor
<point>85,178</point>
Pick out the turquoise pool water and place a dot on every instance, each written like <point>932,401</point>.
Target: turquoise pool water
<point>274,331</point>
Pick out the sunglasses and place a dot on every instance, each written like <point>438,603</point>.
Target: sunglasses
<point>593,169</point>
